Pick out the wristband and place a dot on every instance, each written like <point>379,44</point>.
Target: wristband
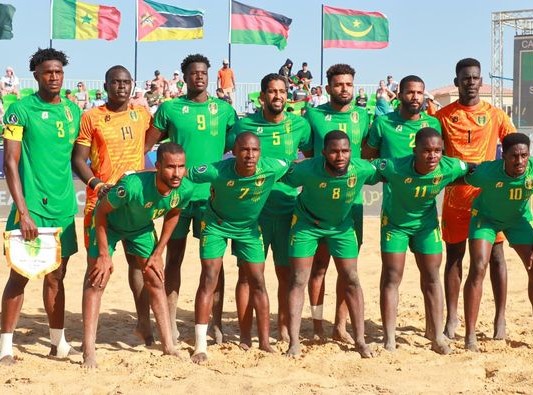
<point>93,182</point>
<point>98,186</point>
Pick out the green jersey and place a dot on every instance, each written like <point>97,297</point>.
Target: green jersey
<point>326,200</point>
<point>324,119</point>
<point>503,199</point>
<point>47,133</point>
<point>236,200</point>
<point>200,128</point>
<point>137,202</point>
<point>280,141</point>
<point>394,136</point>
<point>410,202</point>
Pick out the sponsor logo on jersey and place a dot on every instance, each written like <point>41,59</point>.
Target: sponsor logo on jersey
<point>437,180</point>
<point>455,118</point>
<point>201,169</point>
<point>230,183</point>
<point>481,120</point>
<point>121,192</point>
<point>327,117</point>
<point>175,201</point>
<point>107,118</point>
<point>424,124</point>
<point>44,115</point>
<point>351,181</point>
<point>12,119</point>
<point>355,117</point>
<point>399,128</point>
<point>185,110</point>
<point>408,180</point>
<point>382,164</point>
<point>149,204</point>
<point>134,116</point>
<point>499,184</point>
<point>322,185</point>
<point>68,114</point>
<point>260,130</point>
<point>529,183</point>
<point>213,108</point>
<point>260,181</point>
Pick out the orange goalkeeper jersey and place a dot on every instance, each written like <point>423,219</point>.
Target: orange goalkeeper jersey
<point>116,140</point>
<point>471,133</point>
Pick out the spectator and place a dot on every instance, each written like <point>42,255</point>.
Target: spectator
<point>226,80</point>
<point>223,96</point>
<point>318,98</point>
<point>9,83</point>
<point>392,85</point>
<point>384,96</point>
<point>139,99</point>
<point>98,100</point>
<point>82,96</point>
<point>176,85</point>
<point>361,98</point>
<point>286,70</point>
<point>153,97</point>
<point>305,75</point>
<point>299,93</point>
<point>166,96</point>
<point>70,96</point>
<point>160,82</point>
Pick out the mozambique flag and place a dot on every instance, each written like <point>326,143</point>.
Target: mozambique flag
<point>158,21</point>
<point>251,25</point>
<point>75,20</point>
<point>355,29</point>
<point>6,21</point>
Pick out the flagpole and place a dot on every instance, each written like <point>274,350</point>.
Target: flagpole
<point>229,32</point>
<point>322,46</point>
<point>136,40</point>
<point>51,20</point>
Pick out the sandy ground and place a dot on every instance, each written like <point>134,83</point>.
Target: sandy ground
<point>127,367</point>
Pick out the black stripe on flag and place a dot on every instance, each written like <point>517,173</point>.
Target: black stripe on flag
<point>239,8</point>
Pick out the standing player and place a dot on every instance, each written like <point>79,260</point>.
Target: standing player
<point>281,134</point>
<point>112,138</point>
<point>409,218</point>
<point>330,184</point>
<point>127,214</point>
<point>471,129</point>
<point>199,123</point>
<point>340,113</point>
<point>507,182</point>
<point>240,187</point>
<point>38,138</point>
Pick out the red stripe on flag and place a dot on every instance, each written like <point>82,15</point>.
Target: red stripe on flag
<point>258,23</point>
<point>108,22</point>
<point>355,44</point>
<point>344,11</point>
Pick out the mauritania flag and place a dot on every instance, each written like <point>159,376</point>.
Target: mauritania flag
<point>75,20</point>
<point>355,29</point>
<point>251,25</point>
<point>158,21</point>
<point>6,21</point>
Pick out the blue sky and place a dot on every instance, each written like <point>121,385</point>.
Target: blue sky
<point>426,38</point>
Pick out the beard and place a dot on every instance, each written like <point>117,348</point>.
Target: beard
<point>337,171</point>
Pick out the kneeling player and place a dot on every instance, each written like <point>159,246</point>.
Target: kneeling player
<point>127,213</point>
<point>409,218</point>
<point>331,183</point>
<point>503,205</point>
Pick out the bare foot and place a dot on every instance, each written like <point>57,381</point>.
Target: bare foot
<point>499,330</point>
<point>89,361</point>
<point>266,347</point>
<point>342,335</point>
<point>440,347</point>
<point>218,335</point>
<point>8,360</point>
<point>471,343</point>
<point>199,358</point>
<point>172,353</point>
<point>449,328</point>
<point>245,343</point>
<point>294,350</point>
<point>390,345</point>
<point>283,334</point>
<point>145,334</point>
<point>363,349</point>
<point>64,354</point>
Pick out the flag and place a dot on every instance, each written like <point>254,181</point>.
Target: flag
<point>6,21</point>
<point>158,21</point>
<point>74,20</point>
<point>354,29</point>
<point>251,25</point>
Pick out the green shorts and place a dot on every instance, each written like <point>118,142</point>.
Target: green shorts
<point>194,213</point>
<point>357,216</point>
<point>247,243</point>
<point>69,242</point>
<point>424,239</point>
<point>305,236</point>
<point>519,231</point>
<point>140,243</point>
<point>275,231</point>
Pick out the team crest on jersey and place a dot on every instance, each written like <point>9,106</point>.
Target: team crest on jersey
<point>68,114</point>
<point>175,201</point>
<point>230,183</point>
<point>201,169</point>
<point>133,115</point>
<point>12,119</point>
<point>455,118</point>
<point>481,120</point>
<point>328,117</point>
<point>355,117</point>
<point>499,184</point>
<point>322,185</point>
<point>44,115</point>
<point>185,110</point>
<point>149,204</point>
<point>528,183</point>
<point>437,180</point>
<point>351,181</point>
<point>399,128</point>
<point>121,192</point>
<point>382,164</point>
<point>260,181</point>
<point>408,180</point>
<point>213,108</point>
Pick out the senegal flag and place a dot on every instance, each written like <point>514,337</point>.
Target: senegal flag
<point>74,20</point>
<point>158,21</point>
<point>355,29</point>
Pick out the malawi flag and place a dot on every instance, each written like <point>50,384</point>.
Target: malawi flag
<point>6,21</point>
<point>158,21</point>
<point>251,25</point>
<point>355,29</point>
<point>75,20</point>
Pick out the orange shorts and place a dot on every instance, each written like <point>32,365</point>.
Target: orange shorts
<point>455,223</point>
